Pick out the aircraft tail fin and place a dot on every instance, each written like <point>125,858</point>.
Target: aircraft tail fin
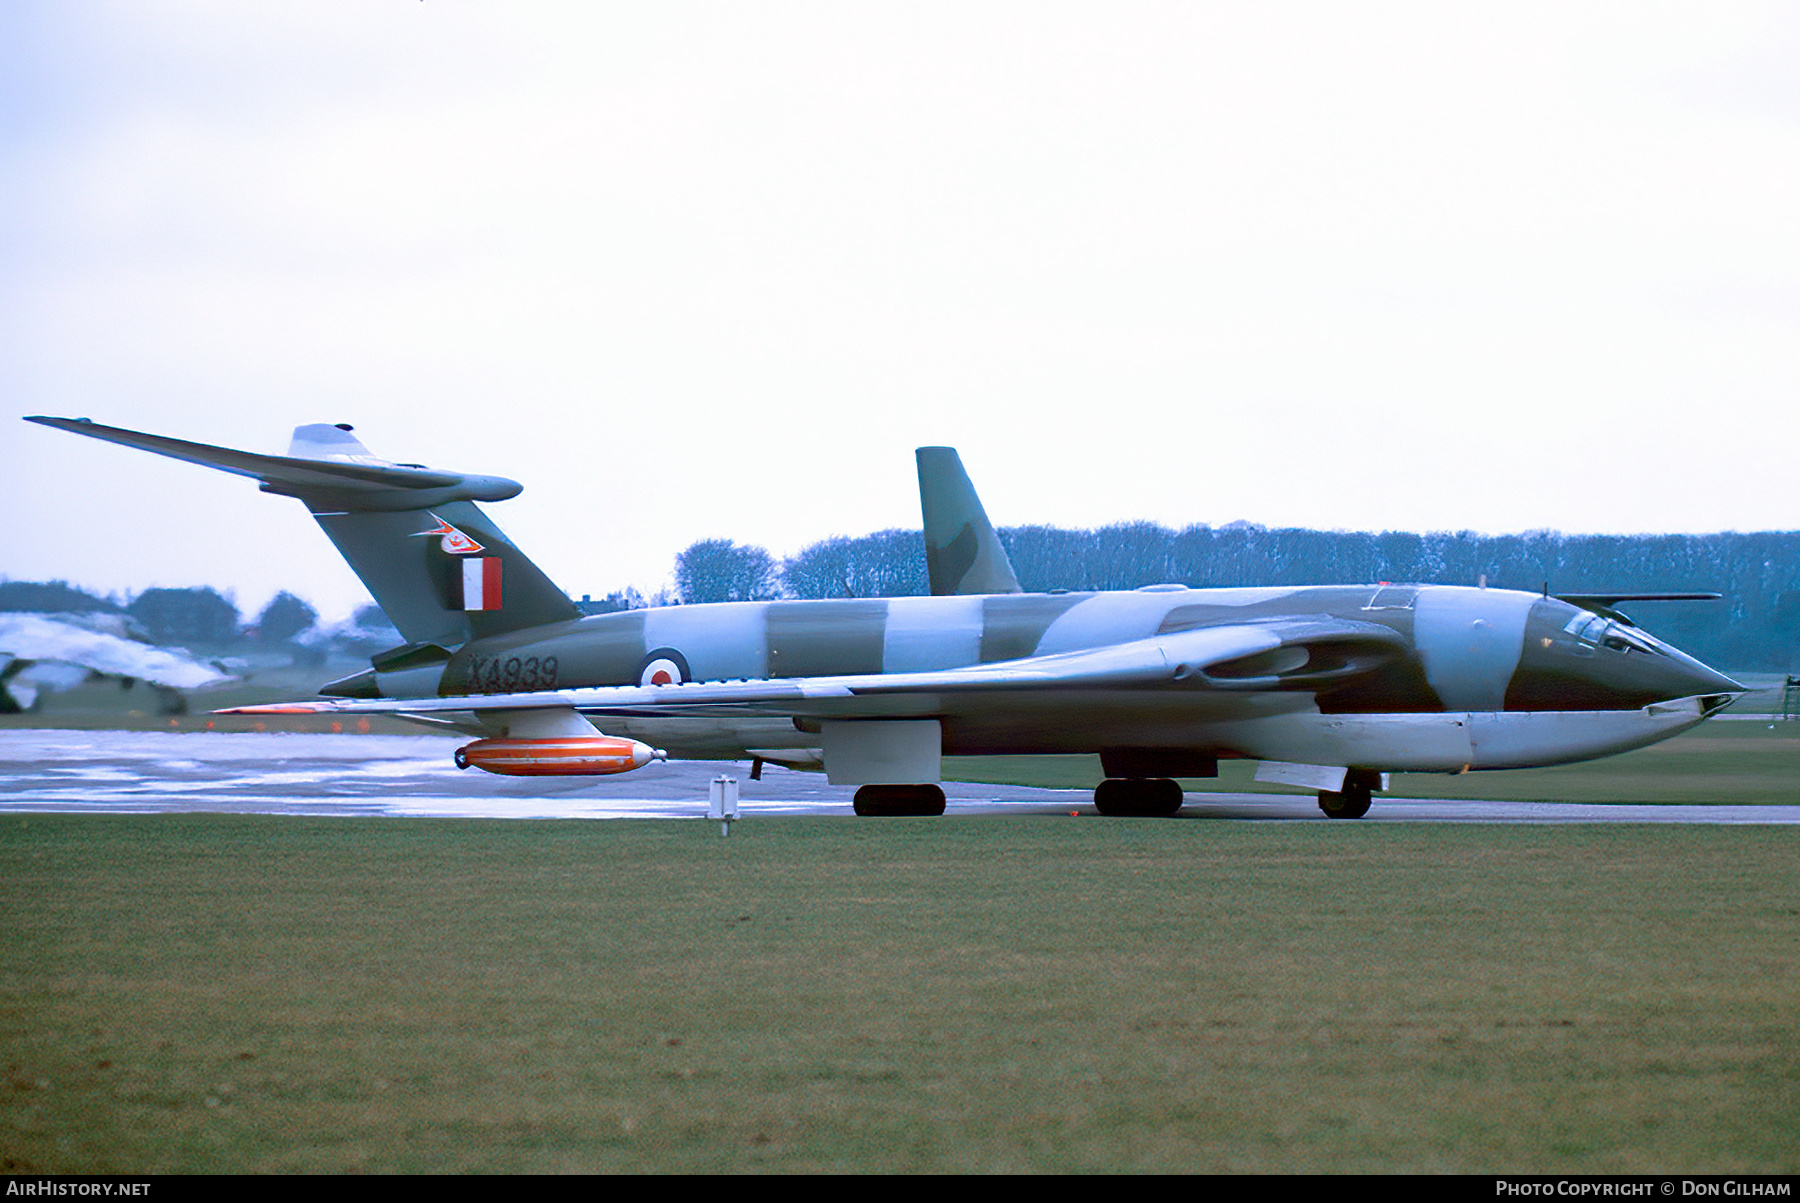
<point>962,552</point>
<point>438,567</point>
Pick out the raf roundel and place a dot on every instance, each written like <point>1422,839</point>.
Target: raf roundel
<point>664,666</point>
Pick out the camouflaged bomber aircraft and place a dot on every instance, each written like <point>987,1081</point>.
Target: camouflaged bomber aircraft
<point>1332,687</point>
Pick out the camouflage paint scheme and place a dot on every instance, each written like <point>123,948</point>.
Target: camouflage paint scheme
<point>1160,681</point>
<point>1416,678</point>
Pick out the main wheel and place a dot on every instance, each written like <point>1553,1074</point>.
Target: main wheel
<point>1137,796</point>
<point>1352,802</point>
<point>892,800</point>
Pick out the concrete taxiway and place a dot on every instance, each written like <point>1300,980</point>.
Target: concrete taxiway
<point>130,772</point>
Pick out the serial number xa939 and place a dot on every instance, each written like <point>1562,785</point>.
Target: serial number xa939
<point>511,674</point>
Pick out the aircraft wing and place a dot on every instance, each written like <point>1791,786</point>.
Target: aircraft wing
<point>1281,654</point>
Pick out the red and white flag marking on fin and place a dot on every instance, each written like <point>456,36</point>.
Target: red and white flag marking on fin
<point>453,541</point>
<point>481,583</point>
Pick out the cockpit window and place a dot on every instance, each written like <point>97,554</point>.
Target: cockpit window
<point>1593,629</point>
<point>1587,627</point>
<point>1635,639</point>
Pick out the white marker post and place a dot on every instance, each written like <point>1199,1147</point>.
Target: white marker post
<point>722,802</point>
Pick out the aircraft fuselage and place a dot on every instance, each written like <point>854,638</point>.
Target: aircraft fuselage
<point>1492,678</point>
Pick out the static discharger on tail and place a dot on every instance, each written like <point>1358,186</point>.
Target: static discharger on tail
<point>1332,687</point>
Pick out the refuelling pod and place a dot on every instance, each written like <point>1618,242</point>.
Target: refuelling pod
<point>552,741</point>
<point>566,756</point>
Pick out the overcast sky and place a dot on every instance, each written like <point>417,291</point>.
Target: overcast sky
<point>697,270</point>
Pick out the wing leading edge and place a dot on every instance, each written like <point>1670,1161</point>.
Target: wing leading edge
<point>1290,653</point>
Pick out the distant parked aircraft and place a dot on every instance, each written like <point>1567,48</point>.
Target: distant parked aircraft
<point>42,653</point>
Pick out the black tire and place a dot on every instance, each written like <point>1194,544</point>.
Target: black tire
<point>889,801</point>
<point>1162,796</point>
<point>1110,796</point>
<point>1137,797</point>
<point>1352,802</point>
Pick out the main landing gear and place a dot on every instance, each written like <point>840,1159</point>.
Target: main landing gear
<point>1137,796</point>
<point>1351,802</point>
<point>899,800</point>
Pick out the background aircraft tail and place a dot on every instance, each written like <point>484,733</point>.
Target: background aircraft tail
<point>438,567</point>
<point>962,552</point>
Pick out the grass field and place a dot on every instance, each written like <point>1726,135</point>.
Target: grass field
<point>242,993</point>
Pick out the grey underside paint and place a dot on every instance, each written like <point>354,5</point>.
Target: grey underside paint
<point>1425,743</point>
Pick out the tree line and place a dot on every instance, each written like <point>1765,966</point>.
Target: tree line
<point>200,617</point>
<point>1755,627</point>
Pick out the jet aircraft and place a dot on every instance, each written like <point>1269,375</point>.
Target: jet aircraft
<point>52,652</point>
<point>1332,687</point>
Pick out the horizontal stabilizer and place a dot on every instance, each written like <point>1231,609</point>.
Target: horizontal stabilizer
<point>324,475</point>
<point>441,571</point>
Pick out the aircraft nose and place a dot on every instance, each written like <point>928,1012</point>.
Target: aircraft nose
<point>1693,678</point>
<point>1675,674</point>
<point>1590,662</point>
